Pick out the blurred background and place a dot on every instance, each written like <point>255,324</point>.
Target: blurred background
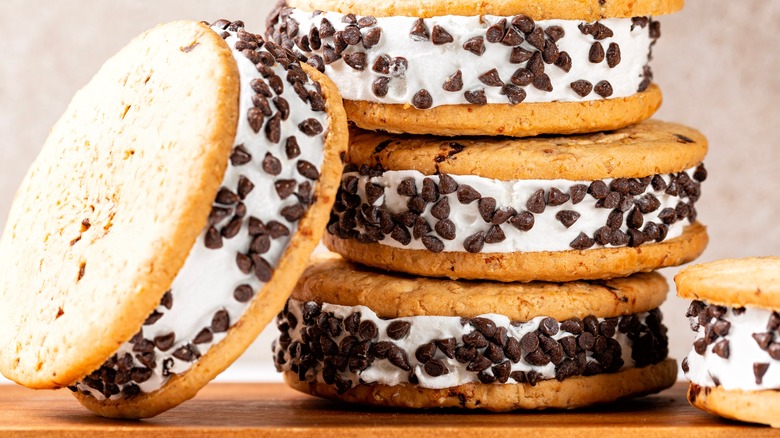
<point>717,63</point>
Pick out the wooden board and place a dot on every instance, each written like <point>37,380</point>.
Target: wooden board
<point>275,410</point>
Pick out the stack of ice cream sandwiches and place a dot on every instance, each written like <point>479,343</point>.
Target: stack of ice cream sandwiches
<point>480,267</point>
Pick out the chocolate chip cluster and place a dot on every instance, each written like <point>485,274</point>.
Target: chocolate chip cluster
<point>714,320</point>
<point>629,199</point>
<point>337,350</point>
<point>534,49</point>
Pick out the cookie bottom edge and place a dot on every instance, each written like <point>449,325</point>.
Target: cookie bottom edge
<point>747,406</point>
<point>555,266</point>
<point>574,392</point>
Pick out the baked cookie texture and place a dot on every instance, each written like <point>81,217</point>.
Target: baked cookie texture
<point>538,10</point>
<point>750,406</point>
<point>556,266</point>
<point>127,365</point>
<point>92,242</point>
<point>751,281</point>
<point>354,334</point>
<point>572,393</point>
<point>550,209</point>
<point>522,120</point>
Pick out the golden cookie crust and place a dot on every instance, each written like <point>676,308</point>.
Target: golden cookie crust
<point>331,279</point>
<point>648,148</point>
<point>574,392</point>
<point>752,281</point>
<point>522,120</point>
<point>270,299</point>
<point>536,9</point>
<point>751,406</point>
<point>86,252</point>
<point>556,266</point>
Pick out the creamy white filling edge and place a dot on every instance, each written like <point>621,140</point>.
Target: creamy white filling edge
<point>736,372</point>
<point>548,233</point>
<point>430,65</point>
<point>425,329</point>
<point>208,278</point>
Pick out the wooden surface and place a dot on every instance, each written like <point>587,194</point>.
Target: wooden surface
<point>275,410</point>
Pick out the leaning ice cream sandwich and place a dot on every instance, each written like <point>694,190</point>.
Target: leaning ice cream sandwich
<point>464,67</point>
<point>548,208</point>
<point>167,217</point>
<point>734,366</point>
<point>352,334</point>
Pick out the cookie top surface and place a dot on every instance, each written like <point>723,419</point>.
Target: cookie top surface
<point>536,9</point>
<point>108,212</point>
<point>752,281</point>
<point>637,151</point>
<point>330,279</point>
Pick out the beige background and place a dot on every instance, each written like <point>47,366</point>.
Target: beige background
<point>718,64</point>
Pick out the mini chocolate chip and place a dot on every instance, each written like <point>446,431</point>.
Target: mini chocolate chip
<point>635,219</point>
<point>512,38</point>
<point>398,357</point>
<point>495,33</point>
<point>447,184</point>
<point>381,86</point>
<point>430,193</point>
<point>530,342</point>
<point>445,228</point>
<point>407,187</point>
<point>536,65</point>
<point>226,197</point>
<point>421,228</point>
<point>307,170</point>
<point>491,78</point>
<point>515,94</point>
<point>615,219</point>
<point>293,212</point>
<point>153,317</point>
<point>441,210</point>
<point>522,77</point>
<point>220,322</point>
<point>326,29</point>
<point>536,38</point>
<point>763,339</point>
<point>425,352</point>
<point>467,194</point>
<point>774,351</point>
<point>603,89</point>
<point>759,369</point>
<point>187,353</point>
<point>204,336</point>
<point>494,234</point>
<point>255,118</point>
<point>213,239</point>
<point>433,244</point>
<point>372,37</point>
<point>440,36</point>
<point>536,203</point>
<point>141,375</point>
<point>357,60</point>
<point>419,31</point>
<point>520,55</point>
<point>401,235</point>
<point>475,242</point>
<point>613,55</point>
<point>557,197</point>
<point>655,29</point>
<point>285,187</point>
<point>550,53</point>
<point>262,269</point>
<point>542,82</point>
<point>582,88</point>
<point>477,97</point>
<point>538,358</point>
<point>700,174</point>
<point>232,228</point>
<point>240,156</point>
<point>486,207</point>
<point>475,339</point>
<point>271,165</point>
<point>454,83</point>
<point>555,32</point>
<point>243,293</point>
<point>435,368</point>
<point>774,321</point>
<point>567,217</point>
<point>352,35</point>
<point>563,62</point>
<point>479,363</point>
<point>494,353</point>
<point>549,326</point>
<point>523,23</point>
<point>722,349</point>
<point>367,330</point>
<point>596,54</point>
<point>398,329</point>
<point>422,100</point>
<point>475,45</point>
<point>311,127</point>
<point>523,221</point>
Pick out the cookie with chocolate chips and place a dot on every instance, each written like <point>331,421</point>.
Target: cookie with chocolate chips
<point>162,225</point>
<point>734,365</point>
<point>512,68</point>
<point>546,209</point>
<point>440,343</point>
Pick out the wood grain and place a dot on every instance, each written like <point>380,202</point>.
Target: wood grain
<point>238,410</point>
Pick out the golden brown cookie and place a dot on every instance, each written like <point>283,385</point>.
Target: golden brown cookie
<point>184,214</point>
<point>734,365</point>
<point>554,208</point>
<point>538,10</point>
<point>513,68</point>
<point>354,334</point>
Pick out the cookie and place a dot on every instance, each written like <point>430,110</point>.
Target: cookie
<point>734,365</point>
<point>167,217</point>
<point>353,334</point>
<point>551,209</point>
<point>481,68</point>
